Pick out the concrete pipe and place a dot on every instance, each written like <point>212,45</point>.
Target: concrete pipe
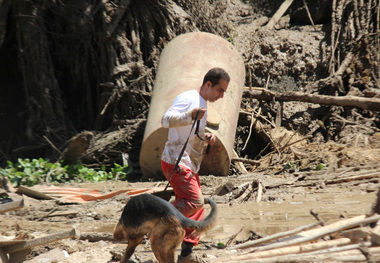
<point>183,63</point>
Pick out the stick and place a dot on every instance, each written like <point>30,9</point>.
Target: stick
<point>275,236</point>
<point>239,165</point>
<point>233,237</point>
<point>351,101</point>
<point>259,192</point>
<point>279,13</point>
<point>308,14</point>
<point>48,214</point>
<point>316,215</point>
<point>245,160</point>
<point>250,130</point>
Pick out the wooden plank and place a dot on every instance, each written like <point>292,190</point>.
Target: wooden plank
<point>32,193</point>
<point>41,241</point>
<point>11,206</point>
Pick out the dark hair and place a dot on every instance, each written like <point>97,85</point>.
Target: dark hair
<point>214,75</point>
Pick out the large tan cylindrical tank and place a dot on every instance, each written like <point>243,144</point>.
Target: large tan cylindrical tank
<point>183,63</point>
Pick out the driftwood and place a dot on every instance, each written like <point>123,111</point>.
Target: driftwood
<point>345,101</point>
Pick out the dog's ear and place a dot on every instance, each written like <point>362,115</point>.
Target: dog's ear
<point>119,233</point>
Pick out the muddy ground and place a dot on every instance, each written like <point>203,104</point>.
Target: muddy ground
<point>283,206</point>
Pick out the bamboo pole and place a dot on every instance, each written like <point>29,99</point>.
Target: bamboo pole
<point>321,232</point>
<point>292,250</point>
<point>275,236</point>
<point>350,255</point>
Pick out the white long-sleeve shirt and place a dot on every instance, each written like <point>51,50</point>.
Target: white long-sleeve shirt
<point>178,119</point>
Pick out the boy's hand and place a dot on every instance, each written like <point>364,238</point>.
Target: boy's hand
<point>201,113</point>
<point>211,138</point>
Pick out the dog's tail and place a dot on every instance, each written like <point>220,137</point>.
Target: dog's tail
<point>204,224</point>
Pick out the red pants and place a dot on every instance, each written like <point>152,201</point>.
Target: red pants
<point>188,196</point>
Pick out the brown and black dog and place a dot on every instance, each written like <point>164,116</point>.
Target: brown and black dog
<point>161,221</point>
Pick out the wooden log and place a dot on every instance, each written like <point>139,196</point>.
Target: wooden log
<point>95,237</point>
<point>344,101</point>
<point>11,206</point>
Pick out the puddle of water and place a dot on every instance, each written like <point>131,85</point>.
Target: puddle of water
<point>269,217</point>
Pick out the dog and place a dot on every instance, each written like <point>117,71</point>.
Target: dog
<point>161,221</point>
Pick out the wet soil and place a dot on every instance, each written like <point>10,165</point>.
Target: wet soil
<point>280,209</point>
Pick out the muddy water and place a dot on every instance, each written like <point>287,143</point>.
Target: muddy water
<point>292,212</point>
<point>289,210</point>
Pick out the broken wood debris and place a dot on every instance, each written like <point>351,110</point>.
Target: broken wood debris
<point>11,206</point>
<point>352,240</point>
<point>17,252</point>
<point>243,192</point>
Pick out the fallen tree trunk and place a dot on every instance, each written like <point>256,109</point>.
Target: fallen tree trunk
<point>345,101</point>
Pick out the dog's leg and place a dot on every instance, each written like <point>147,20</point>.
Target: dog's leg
<point>132,244</point>
<point>164,240</point>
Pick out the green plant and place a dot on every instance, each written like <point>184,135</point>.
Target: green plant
<point>30,172</point>
<point>320,166</point>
